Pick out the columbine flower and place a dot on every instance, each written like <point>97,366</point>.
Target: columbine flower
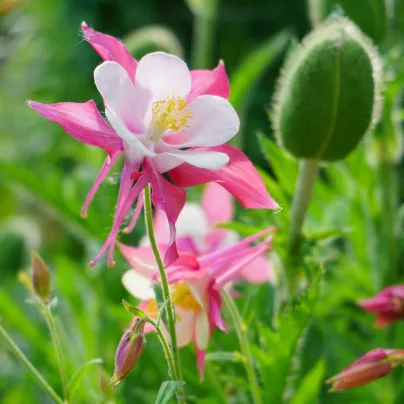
<point>368,368</point>
<point>388,305</point>
<point>197,277</point>
<point>165,119</point>
<point>130,347</point>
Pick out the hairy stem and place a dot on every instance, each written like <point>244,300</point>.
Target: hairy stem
<point>29,366</point>
<point>245,349</point>
<point>58,348</point>
<point>165,292</point>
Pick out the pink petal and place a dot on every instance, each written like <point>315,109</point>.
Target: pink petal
<point>121,212</point>
<point>215,305</point>
<point>212,82</point>
<point>140,258</point>
<point>239,177</point>
<point>136,214</point>
<point>160,226</point>
<point>110,48</point>
<point>82,121</point>
<point>200,360</point>
<point>170,199</point>
<point>258,270</point>
<point>109,162</point>
<point>217,204</point>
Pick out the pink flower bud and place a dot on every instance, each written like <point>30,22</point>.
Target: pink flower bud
<point>372,366</point>
<point>388,305</point>
<point>40,277</point>
<point>128,352</point>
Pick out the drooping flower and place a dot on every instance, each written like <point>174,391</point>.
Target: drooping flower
<point>387,305</point>
<point>165,119</point>
<point>207,263</point>
<point>368,368</point>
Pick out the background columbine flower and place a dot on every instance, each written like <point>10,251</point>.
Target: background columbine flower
<point>387,305</point>
<point>204,267</point>
<point>165,119</point>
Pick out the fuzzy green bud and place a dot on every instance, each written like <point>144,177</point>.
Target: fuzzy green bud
<point>328,95</point>
<point>40,278</point>
<point>130,347</point>
<point>369,15</point>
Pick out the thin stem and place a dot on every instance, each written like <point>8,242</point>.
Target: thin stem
<point>58,348</point>
<point>204,31</point>
<point>245,348</point>
<point>29,366</point>
<point>165,291</point>
<point>304,189</point>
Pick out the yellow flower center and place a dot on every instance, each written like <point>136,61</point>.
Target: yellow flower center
<point>181,297</point>
<point>172,114</point>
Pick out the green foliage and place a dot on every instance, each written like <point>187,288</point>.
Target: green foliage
<point>167,391</point>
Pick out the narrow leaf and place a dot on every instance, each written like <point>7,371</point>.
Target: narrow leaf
<point>167,391</point>
<point>78,376</point>
<point>134,310</point>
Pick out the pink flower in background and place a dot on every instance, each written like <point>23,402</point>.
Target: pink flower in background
<point>387,305</point>
<point>368,368</point>
<point>165,119</point>
<point>209,259</point>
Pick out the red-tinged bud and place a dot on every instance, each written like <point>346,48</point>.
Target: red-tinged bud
<point>130,348</point>
<point>387,305</point>
<point>368,368</point>
<point>40,277</point>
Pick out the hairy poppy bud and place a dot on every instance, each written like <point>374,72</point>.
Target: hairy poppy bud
<point>369,15</point>
<point>40,278</point>
<point>130,348</point>
<point>368,368</point>
<point>328,95</point>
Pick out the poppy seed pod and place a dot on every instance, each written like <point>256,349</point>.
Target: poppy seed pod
<point>329,93</point>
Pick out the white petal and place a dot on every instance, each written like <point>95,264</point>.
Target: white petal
<point>214,121</point>
<point>184,325</point>
<point>120,96</point>
<point>138,285</point>
<point>192,222</point>
<point>163,75</point>
<point>202,330</point>
<point>210,160</point>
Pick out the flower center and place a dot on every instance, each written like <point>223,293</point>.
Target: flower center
<point>170,114</point>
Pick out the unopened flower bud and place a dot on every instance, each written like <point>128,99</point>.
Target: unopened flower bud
<point>130,348</point>
<point>370,18</point>
<point>368,368</point>
<point>328,95</point>
<point>387,305</point>
<point>40,277</point>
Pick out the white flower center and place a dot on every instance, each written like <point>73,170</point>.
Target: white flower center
<point>169,114</point>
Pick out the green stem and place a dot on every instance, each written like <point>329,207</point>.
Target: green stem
<point>29,366</point>
<point>58,348</point>
<point>304,188</point>
<point>204,31</point>
<point>165,291</point>
<point>245,348</point>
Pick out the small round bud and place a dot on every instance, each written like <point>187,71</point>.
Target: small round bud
<point>328,95</point>
<point>369,15</point>
<point>40,278</point>
<point>130,347</point>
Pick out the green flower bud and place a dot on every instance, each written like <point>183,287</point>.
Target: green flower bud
<point>40,278</point>
<point>329,93</point>
<point>369,15</point>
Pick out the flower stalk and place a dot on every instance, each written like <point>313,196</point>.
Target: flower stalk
<point>245,349</point>
<point>170,314</point>
<point>29,366</point>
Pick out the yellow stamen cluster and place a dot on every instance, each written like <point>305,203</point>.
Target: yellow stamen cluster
<point>172,113</point>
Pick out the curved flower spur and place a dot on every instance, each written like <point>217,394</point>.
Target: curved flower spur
<point>165,119</point>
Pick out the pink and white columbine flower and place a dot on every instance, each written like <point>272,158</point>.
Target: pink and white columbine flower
<point>198,276</point>
<point>165,119</point>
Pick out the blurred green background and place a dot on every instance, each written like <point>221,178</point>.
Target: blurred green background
<point>45,175</point>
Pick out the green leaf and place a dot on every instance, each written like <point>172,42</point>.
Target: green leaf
<point>225,357</point>
<point>309,388</point>
<point>134,310</point>
<point>253,67</point>
<point>167,391</point>
<point>78,376</point>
